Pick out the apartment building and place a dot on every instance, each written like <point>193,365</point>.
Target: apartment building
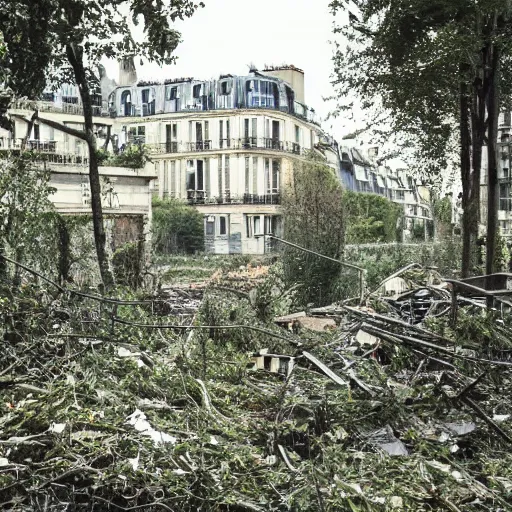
<point>226,146</point>
<point>127,192</point>
<point>361,171</point>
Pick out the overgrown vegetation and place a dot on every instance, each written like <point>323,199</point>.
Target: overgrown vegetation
<point>135,156</point>
<point>177,227</point>
<point>313,213</point>
<point>370,218</point>
<point>140,415</point>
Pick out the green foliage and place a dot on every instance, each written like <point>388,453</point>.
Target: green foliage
<point>370,218</point>
<point>177,227</point>
<point>133,157</point>
<point>25,209</point>
<point>383,261</point>
<point>313,213</point>
<point>127,262</point>
<point>443,210</point>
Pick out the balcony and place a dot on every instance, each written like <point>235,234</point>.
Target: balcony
<point>45,151</point>
<point>198,197</point>
<point>245,143</point>
<point>62,108</point>
<point>203,145</point>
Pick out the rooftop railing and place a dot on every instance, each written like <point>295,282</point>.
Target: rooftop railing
<point>244,143</point>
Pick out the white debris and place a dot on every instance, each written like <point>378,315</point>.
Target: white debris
<point>4,462</point>
<point>457,475</point>
<point>213,441</point>
<point>180,472</point>
<point>140,363</point>
<point>499,418</point>
<point>396,502</point>
<point>58,428</point>
<point>123,352</point>
<point>141,424</point>
<point>134,462</point>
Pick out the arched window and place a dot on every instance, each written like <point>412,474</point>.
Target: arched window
<point>126,103</point>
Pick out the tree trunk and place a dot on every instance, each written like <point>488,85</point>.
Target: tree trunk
<point>75,57</point>
<point>468,216</point>
<point>493,108</point>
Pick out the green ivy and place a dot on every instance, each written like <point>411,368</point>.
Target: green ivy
<point>370,218</point>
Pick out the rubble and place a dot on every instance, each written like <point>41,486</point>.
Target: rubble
<point>229,413</point>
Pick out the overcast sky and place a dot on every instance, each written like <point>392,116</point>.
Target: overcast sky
<point>228,35</point>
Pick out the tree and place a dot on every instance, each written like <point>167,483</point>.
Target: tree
<point>370,218</point>
<point>434,67</point>
<point>24,201</point>
<point>25,51</point>
<point>82,32</point>
<point>314,219</point>
<point>177,227</point>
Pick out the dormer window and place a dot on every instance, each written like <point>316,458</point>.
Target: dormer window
<point>225,87</point>
<point>172,93</point>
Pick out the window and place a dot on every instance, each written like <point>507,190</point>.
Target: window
<point>222,226</point>
<point>262,93</point>
<point>226,174</point>
<point>254,174</point>
<point>195,175</point>
<point>173,178</point>
<point>250,132</point>
<point>257,225</point>
<point>253,225</point>
<point>196,91</point>
<point>145,95</point>
<point>225,87</point>
<point>165,180</point>
<point>210,225</point>
<point>172,93</point>
<point>247,174</point>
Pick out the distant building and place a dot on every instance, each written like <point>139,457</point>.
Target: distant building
<point>504,177</point>
<point>360,172</point>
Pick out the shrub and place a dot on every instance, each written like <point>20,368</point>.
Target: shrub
<point>177,227</point>
<point>370,218</point>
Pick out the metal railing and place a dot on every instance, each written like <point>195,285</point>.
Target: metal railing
<point>63,108</point>
<point>201,197</point>
<point>244,143</point>
<point>45,150</point>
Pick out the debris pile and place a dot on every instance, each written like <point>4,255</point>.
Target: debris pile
<point>117,406</point>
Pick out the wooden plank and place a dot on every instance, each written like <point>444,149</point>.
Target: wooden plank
<point>324,368</point>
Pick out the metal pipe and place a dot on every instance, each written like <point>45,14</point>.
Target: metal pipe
<point>362,272</point>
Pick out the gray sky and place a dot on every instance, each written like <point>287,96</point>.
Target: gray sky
<point>228,35</point>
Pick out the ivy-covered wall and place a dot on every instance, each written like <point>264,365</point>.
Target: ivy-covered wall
<point>370,218</point>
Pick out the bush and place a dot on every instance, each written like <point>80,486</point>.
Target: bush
<point>133,157</point>
<point>370,218</point>
<point>177,227</point>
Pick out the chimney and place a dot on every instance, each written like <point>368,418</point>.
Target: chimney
<point>294,76</point>
<point>127,72</point>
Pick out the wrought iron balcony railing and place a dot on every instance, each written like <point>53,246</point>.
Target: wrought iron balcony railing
<point>201,197</point>
<point>244,143</point>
